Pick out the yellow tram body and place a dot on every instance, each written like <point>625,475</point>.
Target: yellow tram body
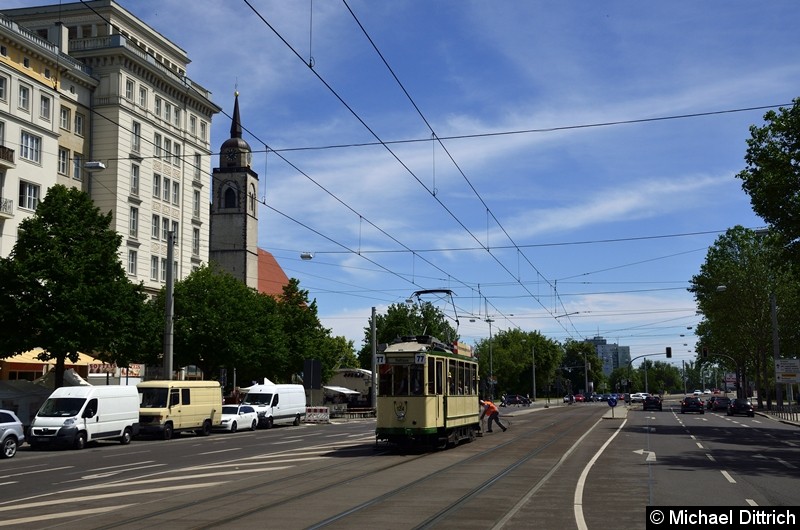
<point>427,393</point>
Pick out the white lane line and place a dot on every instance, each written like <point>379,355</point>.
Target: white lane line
<point>751,502</point>
<point>710,457</point>
<point>7,483</point>
<point>699,445</point>
<point>50,516</point>
<point>32,472</point>
<point>728,477</point>
<point>221,451</point>
<point>185,477</point>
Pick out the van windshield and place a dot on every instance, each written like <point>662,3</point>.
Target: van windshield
<point>257,399</point>
<point>56,407</point>
<point>154,398</point>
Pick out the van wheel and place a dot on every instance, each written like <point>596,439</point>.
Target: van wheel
<point>268,424</point>
<point>9,447</point>
<point>80,441</point>
<point>254,425</point>
<point>168,431</point>
<point>125,439</point>
<point>233,427</point>
<point>206,430</point>
<point>296,420</point>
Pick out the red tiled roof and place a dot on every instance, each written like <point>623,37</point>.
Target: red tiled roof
<point>271,278</point>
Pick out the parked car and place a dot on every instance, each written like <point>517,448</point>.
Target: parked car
<point>12,434</point>
<point>740,406</point>
<point>235,416</point>
<point>569,398</point>
<point>638,397</point>
<point>692,404</point>
<point>652,403</point>
<point>580,398</point>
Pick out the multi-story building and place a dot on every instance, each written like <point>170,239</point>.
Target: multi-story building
<point>613,355</point>
<point>92,96</point>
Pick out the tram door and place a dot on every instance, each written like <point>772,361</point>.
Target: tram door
<point>435,370</point>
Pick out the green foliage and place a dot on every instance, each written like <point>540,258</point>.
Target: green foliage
<point>403,320</point>
<point>64,288</point>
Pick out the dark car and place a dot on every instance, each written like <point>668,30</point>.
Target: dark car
<point>516,399</point>
<point>720,403</point>
<point>652,403</point>
<point>692,404</point>
<point>740,406</point>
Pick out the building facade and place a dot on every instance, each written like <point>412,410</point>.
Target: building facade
<point>126,125</point>
<point>613,355</point>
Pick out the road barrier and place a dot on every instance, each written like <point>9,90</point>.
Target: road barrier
<point>317,415</point>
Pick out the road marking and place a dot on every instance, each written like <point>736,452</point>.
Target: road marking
<point>40,471</point>
<point>699,445</point>
<point>727,476</point>
<point>751,502</point>
<point>710,457</point>
<point>651,455</point>
<point>221,451</point>
<point>7,483</point>
<point>49,516</point>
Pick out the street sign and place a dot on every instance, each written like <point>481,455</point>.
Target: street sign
<point>787,370</point>
<point>612,402</point>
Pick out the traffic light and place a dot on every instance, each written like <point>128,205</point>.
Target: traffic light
<point>669,352</point>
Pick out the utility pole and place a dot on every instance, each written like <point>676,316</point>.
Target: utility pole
<point>533,359</point>
<point>169,307</point>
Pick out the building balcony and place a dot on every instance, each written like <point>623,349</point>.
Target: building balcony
<point>6,208</point>
<point>7,158</point>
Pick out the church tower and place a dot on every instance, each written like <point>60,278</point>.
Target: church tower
<point>233,244</point>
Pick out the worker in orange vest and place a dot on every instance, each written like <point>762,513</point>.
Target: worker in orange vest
<point>491,410</point>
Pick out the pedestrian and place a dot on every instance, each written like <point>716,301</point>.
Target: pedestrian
<point>490,409</point>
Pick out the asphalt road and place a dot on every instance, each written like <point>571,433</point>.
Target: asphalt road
<point>560,467</point>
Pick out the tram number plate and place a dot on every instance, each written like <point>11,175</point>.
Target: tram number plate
<point>419,358</point>
<point>380,358</point>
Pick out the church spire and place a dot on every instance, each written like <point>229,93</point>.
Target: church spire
<point>236,124</point>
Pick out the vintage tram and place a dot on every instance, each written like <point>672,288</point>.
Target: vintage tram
<point>427,393</point>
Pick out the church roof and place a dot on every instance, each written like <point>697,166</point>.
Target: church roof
<point>271,278</point>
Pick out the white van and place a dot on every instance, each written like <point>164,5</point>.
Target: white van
<point>276,404</point>
<point>74,415</point>
<point>169,407</point>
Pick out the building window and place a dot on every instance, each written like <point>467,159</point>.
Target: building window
<point>167,150</point>
<point>129,89</point>
<point>196,241</point>
<point>136,130</point>
<point>66,118</point>
<point>157,109</point>
<point>143,97</point>
<point>176,160</point>
<point>154,231</point>
<point>134,179</point>
<point>196,204</point>
<point>28,195</point>
<point>177,121</point>
<point>30,147</point>
<point>79,119</point>
<point>133,225</point>
<point>154,268</point>
<point>193,125</point>
<point>63,161</point>
<point>175,232</point>
<point>3,85</point>
<point>203,130</point>
<point>252,198</point>
<point>167,112</point>
<point>156,185</point>
<point>132,262</point>
<point>167,189</point>
<point>163,269</point>
<point>44,108</point>
<point>164,228</point>
<point>176,192</point>
<point>197,161</point>
<point>77,166</point>
<point>24,97</point>
<point>157,145</point>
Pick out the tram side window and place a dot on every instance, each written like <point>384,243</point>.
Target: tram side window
<point>473,380</point>
<point>417,379</point>
<point>385,382</point>
<point>432,376</point>
<point>439,374</point>
<point>400,381</point>
<point>451,377</point>
<point>463,381</point>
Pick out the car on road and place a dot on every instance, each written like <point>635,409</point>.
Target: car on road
<point>234,417</point>
<point>740,406</point>
<point>715,403</point>
<point>698,392</point>
<point>652,403</point>
<point>517,399</point>
<point>638,397</point>
<point>12,433</point>
<point>692,404</point>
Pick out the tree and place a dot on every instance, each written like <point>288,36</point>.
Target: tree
<point>64,288</point>
<point>580,357</point>
<point>772,175</point>
<point>403,320</point>
<point>734,290</point>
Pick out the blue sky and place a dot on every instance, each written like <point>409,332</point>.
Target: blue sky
<point>601,204</point>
